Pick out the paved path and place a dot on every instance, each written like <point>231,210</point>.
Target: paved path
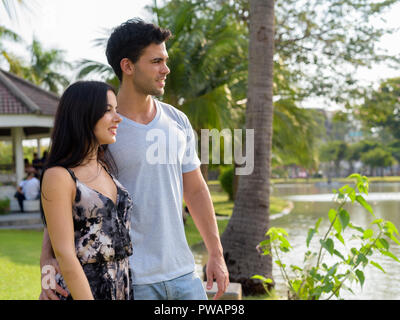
<point>21,220</point>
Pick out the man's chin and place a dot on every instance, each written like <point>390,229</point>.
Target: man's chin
<point>158,93</point>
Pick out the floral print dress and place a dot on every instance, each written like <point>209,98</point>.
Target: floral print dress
<point>102,241</point>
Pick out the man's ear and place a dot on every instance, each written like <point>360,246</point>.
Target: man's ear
<point>126,66</point>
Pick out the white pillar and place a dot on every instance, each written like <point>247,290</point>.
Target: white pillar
<point>39,151</point>
<point>17,137</point>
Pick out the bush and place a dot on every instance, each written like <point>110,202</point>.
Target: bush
<point>4,205</point>
<point>226,180</point>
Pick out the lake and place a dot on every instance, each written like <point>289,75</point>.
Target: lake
<point>313,201</point>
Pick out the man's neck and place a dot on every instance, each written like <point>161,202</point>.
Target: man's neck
<point>135,105</point>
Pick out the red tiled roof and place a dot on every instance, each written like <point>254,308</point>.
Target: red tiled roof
<point>18,96</point>
<point>10,104</point>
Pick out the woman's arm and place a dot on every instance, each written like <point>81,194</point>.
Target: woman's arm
<point>57,195</point>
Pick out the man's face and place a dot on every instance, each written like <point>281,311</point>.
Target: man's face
<point>150,71</point>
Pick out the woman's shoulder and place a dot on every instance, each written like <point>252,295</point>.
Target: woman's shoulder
<point>57,174</point>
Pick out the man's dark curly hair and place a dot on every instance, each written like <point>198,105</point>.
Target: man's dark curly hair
<point>129,40</point>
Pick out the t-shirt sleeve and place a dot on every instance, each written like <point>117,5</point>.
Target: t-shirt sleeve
<point>191,160</point>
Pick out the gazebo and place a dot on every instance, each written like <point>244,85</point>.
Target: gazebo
<point>26,112</point>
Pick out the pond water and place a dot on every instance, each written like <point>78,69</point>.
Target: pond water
<point>314,201</point>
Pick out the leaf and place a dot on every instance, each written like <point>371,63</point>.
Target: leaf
<point>391,227</point>
<point>356,228</point>
<point>333,219</point>
<point>339,254</point>
<point>262,278</point>
<point>317,224</point>
<point>355,175</point>
<point>362,258</point>
<point>384,243</point>
<point>377,221</point>
<point>377,265</point>
<point>310,234</point>
<point>339,237</point>
<point>328,245</point>
<point>365,204</point>
<point>332,215</point>
<point>391,236</point>
<point>280,264</point>
<point>360,276</point>
<point>391,255</point>
<point>368,233</point>
<point>344,217</point>
<point>352,195</point>
<point>294,268</point>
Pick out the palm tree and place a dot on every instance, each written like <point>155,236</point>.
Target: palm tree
<point>88,68</point>
<point>10,8</point>
<point>206,61</point>
<point>44,65</point>
<point>250,218</point>
<point>7,34</point>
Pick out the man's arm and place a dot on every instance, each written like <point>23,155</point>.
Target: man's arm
<point>198,200</point>
<point>47,258</point>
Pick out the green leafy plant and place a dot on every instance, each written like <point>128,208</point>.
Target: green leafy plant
<point>4,205</point>
<point>316,279</point>
<point>226,179</point>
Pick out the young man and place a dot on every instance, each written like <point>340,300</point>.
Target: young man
<point>28,189</point>
<point>156,161</point>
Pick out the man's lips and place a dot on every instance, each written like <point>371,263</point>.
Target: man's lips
<point>161,81</point>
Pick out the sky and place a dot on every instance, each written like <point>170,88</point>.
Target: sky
<point>72,25</point>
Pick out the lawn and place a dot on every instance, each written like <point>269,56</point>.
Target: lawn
<point>19,264</point>
<point>20,251</point>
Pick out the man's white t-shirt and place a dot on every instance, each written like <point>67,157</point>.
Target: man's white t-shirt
<point>151,159</point>
<point>30,188</point>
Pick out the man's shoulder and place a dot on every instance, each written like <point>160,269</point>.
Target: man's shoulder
<point>173,112</point>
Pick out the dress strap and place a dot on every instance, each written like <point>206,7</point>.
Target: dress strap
<point>72,174</point>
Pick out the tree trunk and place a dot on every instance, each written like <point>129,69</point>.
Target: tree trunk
<point>235,181</point>
<point>250,218</point>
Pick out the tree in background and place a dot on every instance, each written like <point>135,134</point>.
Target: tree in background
<point>6,34</point>
<point>333,152</point>
<point>377,158</point>
<point>380,110</point>
<point>44,66</point>
<point>250,218</point>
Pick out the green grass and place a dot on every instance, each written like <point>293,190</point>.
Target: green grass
<point>192,234</point>
<point>224,207</point>
<point>19,264</point>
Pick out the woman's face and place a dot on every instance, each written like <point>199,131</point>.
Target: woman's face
<point>105,129</point>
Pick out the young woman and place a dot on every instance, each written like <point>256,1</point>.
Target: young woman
<point>86,210</point>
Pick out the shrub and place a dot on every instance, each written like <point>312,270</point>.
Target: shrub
<point>226,180</point>
<point>4,205</point>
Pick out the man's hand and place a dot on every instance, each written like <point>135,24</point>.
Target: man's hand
<point>216,269</point>
<point>49,293</point>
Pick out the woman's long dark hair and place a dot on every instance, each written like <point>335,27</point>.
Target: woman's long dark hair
<point>73,140</point>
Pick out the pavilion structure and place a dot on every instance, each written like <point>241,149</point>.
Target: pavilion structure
<point>26,112</point>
